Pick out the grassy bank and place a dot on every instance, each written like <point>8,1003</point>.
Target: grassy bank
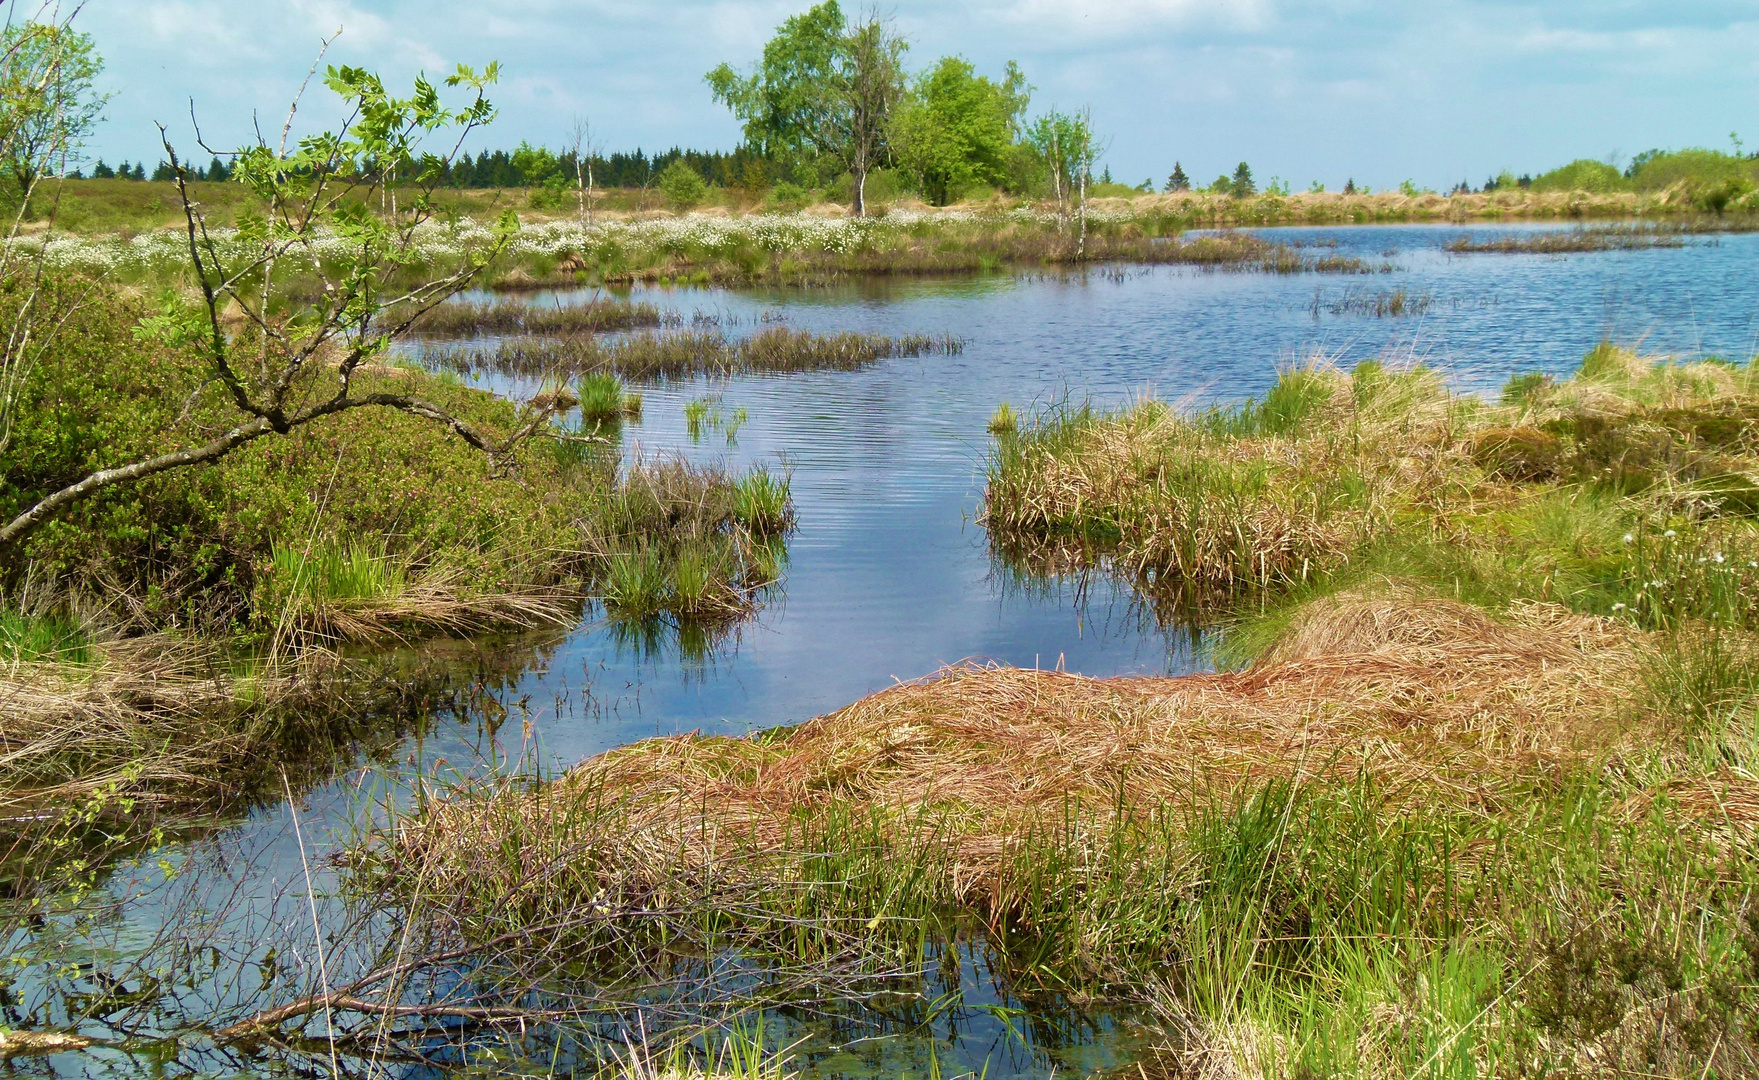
<point>1586,485</point>
<point>1671,185</point>
<point>465,319</point>
<point>1462,822</point>
<point>161,635</point>
<point>792,248</point>
<point>1474,795</point>
<point>807,249</point>
<point>1591,237</point>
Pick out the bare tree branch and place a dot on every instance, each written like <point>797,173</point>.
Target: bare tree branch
<point>313,193</point>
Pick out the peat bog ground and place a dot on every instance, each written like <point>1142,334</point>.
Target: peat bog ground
<point>1027,872</point>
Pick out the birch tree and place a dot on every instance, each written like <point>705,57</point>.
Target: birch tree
<point>869,85</point>
<point>1066,146</point>
<point>46,108</point>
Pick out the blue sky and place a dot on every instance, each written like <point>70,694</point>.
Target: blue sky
<point>1431,90</point>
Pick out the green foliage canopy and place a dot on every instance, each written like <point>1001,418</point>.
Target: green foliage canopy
<point>1065,149</point>
<point>195,545</point>
<point>1582,174</point>
<point>322,190</point>
<point>682,185</point>
<point>955,128</point>
<point>787,104</point>
<point>47,105</point>
<point>823,90</point>
<point>1657,170</point>
<point>1242,185</point>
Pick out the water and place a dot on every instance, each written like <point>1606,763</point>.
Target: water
<point>891,577</point>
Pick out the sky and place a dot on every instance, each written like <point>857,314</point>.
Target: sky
<point>1378,91</point>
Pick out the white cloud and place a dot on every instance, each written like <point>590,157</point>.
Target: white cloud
<point>1057,20</point>
<point>1546,39</point>
<point>325,17</point>
<point>1378,89</point>
<point>199,30</point>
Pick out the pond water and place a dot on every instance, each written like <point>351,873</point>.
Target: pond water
<point>890,576</point>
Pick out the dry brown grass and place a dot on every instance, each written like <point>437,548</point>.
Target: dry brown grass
<point>1334,207</point>
<point>679,354</point>
<point>1278,492</point>
<point>1427,695</point>
<point>163,721</point>
<point>1191,499</point>
<point>435,604</point>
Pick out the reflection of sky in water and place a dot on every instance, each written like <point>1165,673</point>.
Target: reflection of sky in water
<point>890,575</point>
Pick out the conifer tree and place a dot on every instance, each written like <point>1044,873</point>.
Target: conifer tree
<point>1242,183</point>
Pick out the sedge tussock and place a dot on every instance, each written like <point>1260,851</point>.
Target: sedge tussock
<point>467,318</point>
<point>1403,827</point>
<point>162,720</point>
<point>1278,493</point>
<point>432,607</point>
<point>1422,693</point>
<point>1225,501</point>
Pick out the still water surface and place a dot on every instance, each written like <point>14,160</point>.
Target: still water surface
<point>891,577</point>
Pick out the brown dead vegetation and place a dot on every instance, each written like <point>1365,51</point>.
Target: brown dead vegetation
<point>1425,694</point>
<point>166,722</point>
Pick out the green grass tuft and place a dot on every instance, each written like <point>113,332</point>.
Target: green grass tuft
<point>603,399</point>
<point>761,502</point>
<point>335,571</point>
<point>25,638</point>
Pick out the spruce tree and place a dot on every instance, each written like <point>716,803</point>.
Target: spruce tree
<point>1178,181</point>
<point>1242,182</point>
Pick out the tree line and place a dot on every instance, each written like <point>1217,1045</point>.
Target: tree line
<point>525,167</point>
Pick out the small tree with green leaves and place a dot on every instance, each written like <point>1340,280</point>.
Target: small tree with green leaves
<point>823,90</point>
<point>682,186</point>
<point>47,105</point>
<point>868,88</point>
<point>333,213</point>
<point>46,108</point>
<point>1241,185</point>
<point>955,128</point>
<point>786,104</point>
<point>1066,146</point>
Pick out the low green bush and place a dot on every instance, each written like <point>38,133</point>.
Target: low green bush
<point>683,186</point>
<point>1582,174</point>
